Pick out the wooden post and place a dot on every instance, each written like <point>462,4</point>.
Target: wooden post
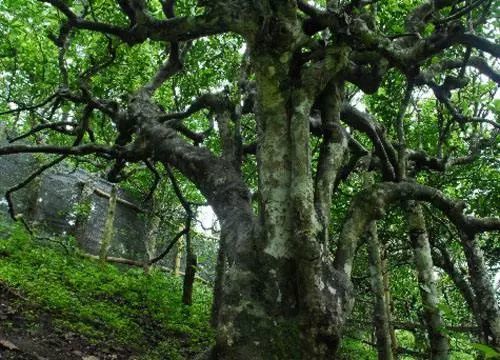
<point>108,232</point>
<point>178,257</point>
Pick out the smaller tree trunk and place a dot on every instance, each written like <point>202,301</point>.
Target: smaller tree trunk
<point>380,313</point>
<point>218,286</point>
<point>483,289</point>
<point>442,259</point>
<point>426,281</point>
<point>389,304</point>
<point>189,273</point>
<point>108,232</point>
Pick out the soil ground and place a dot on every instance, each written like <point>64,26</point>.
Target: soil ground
<point>27,333</point>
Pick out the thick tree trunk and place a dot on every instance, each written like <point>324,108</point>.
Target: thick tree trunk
<point>426,281</point>
<point>282,298</point>
<point>380,309</point>
<point>260,314</point>
<point>485,295</point>
<point>247,312</point>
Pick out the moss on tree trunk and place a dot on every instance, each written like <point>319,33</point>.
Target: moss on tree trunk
<point>439,346</point>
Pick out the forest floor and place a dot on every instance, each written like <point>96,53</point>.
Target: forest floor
<point>56,304</point>
<point>29,333</point>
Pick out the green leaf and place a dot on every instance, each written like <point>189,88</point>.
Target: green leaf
<point>488,352</point>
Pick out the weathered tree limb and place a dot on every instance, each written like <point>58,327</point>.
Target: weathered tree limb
<point>173,29</point>
<point>384,150</point>
<point>51,126</point>
<point>372,204</point>
<point>85,149</point>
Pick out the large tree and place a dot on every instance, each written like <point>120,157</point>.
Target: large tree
<point>271,136</point>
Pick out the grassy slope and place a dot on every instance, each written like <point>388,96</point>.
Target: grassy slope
<point>132,309</point>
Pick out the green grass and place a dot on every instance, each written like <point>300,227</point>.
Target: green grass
<point>105,303</point>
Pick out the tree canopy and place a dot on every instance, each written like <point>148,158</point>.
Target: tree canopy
<point>349,150</point>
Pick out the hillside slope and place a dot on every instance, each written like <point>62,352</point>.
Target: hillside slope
<point>56,304</point>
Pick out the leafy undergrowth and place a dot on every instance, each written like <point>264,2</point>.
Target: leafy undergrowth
<point>106,305</point>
